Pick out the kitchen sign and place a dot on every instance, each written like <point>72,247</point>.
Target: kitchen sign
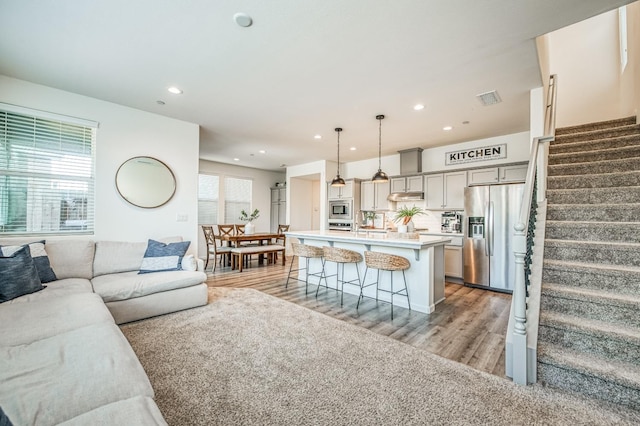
<point>485,153</point>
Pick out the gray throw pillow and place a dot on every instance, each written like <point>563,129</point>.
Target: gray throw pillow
<point>163,257</point>
<point>40,258</point>
<point>4,420</point>
<point>18,275</point>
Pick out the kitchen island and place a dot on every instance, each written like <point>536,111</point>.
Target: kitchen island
<point>425,277</point>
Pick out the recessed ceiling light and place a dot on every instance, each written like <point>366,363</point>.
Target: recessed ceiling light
<point>418,107</point>
<point>317,137</point>
<point>243,20</point>
<point>262,151</point>
<point>447,128</point>
<point>174,90</point>
<point>236,159</point>
<point>353,148</point>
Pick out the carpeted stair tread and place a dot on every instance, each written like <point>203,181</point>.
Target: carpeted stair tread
<point>595,155</point>
<point>605,166</point>
<point>600,330</point>
<point>593,231</point>
<point>621,279</point>
<point>613,253</point>
<point>597,134</point>
<point>602,180</point>
<point>595,295</point>
<point>621,373</point>
<point>605,124</point>
<point>592,303</point>
<point>628,212</point>
<point>625,195</point>
<point>590,145</point>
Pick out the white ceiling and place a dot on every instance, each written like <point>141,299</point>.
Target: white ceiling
<point>302,68</point>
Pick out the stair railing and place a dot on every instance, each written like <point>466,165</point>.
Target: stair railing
<point>522,366</point>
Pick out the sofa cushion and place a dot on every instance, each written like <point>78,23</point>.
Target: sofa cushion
<point>71,258</point>
<point>40,259</point>
<point>18,274</point>
<point>56,379</point>
<point>163,257</point>
<point>127,285</point>
<point>117,256</point>
<point>50,316</point>
<point>139,411</point>
<point>58,288</point>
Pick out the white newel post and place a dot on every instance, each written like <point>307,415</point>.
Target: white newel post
<point>520,362</point>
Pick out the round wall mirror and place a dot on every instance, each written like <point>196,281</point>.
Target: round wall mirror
<point>145,182</point>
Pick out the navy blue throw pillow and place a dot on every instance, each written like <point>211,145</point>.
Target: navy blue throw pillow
<point>18,275</point>
<point>163,257</point>
<point>4,420</point>
<point>40,258</point>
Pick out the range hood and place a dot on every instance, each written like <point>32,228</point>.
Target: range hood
<point>406,196</point>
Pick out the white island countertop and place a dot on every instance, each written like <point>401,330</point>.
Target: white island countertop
<point>390,239</point>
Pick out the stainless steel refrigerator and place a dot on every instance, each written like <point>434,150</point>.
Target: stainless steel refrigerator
<point>491,212</point>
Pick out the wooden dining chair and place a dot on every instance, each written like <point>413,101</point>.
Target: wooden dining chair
<point>282,239</point>
<point>239,229</point>
<point>213,248</point>
<point>226,230</point>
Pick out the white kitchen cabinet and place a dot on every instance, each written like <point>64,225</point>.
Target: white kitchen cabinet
<point>374,196</point>
<point>338,192</point>
<point>453,261</point>
<point>506,174</point>
<point>513,173</point>
<point>445,191</point>
<point>278,208</point>
<point>407,184</point>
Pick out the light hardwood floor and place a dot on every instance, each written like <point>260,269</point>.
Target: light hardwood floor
<point>468,327</point>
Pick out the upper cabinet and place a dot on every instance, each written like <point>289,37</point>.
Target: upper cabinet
<point>445,191</point>
<point>491,175</point>
<point>338,192</point>
<point>374,196</point>
<point>407,184</point>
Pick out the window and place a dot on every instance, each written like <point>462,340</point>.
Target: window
<point>46,173</point>
<point>208,190</point>
<point>237,196</point>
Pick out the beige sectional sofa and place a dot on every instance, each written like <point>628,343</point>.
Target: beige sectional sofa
<point>63,358</point>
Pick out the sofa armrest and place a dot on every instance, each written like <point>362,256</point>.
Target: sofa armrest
<point>200,263</point>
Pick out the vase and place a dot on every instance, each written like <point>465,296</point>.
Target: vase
<point>249,228</point>
<point>402,228</point>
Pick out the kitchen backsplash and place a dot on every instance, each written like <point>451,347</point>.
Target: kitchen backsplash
<point>431,220</point>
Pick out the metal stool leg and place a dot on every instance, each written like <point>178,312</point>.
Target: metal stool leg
<point>406,288</point>
<point>391,272</point>
<point>290,268</point>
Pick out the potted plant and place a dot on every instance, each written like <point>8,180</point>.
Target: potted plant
<point>249,218</point>
<point>404,215</point>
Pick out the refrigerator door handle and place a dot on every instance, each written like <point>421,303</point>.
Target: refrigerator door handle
<point>486,234</point>
<point>490,229</point>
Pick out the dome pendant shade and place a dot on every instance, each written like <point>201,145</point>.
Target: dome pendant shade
<point>380,176</point>
<point>338,181</point>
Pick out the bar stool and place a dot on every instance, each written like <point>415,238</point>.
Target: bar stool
<point>341,257</point>
<point>387,262</point>
<point>307,252</point>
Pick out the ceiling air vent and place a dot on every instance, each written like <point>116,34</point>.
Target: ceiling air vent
<point>489,98</point>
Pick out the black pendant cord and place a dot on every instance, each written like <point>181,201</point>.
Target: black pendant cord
<point>380,117</point>
<point>338,171</point>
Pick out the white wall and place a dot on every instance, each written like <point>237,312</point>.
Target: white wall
<point>301,214</point>
<point>586,58</point>
<point>124,133</point>
<point>262,181</point>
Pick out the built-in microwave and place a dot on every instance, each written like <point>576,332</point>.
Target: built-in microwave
<point>340,209</point>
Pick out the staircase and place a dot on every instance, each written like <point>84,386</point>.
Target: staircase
<point>589,333</point>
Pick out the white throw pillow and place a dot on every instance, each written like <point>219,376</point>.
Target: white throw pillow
<point>189,263</point>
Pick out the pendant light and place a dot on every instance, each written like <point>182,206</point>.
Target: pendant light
<point>338,181</point>
<point>380,176</point>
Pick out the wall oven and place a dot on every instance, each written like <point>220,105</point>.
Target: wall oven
<point>340,209</point>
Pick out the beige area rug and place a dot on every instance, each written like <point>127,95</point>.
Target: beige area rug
<point>248,358</point>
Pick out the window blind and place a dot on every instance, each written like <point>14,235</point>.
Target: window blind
<point>208,191</point>
<point>46,174</point>
<point>237,197</point>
